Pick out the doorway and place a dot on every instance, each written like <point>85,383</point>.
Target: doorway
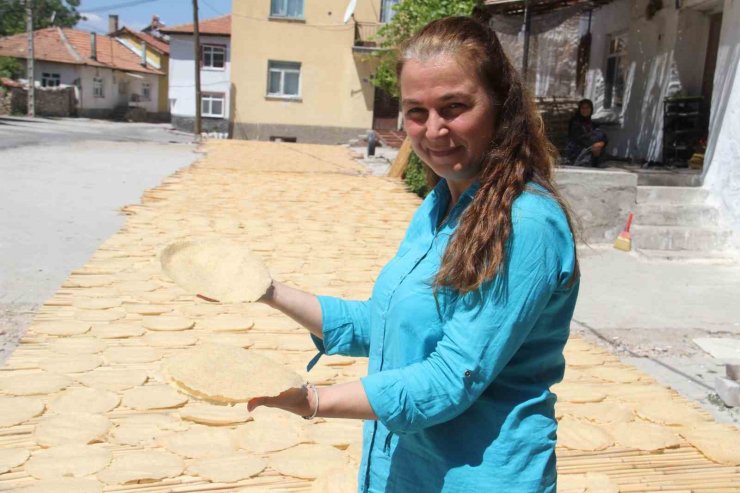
<point>385,111</point>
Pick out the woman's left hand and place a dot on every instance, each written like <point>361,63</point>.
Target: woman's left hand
<point>297,400</point>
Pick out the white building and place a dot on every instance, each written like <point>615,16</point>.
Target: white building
<point>215,75</point>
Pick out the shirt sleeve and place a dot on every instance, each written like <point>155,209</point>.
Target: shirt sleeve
<point>345,327</point>
<point>485,330</point>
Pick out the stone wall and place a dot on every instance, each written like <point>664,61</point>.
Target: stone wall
<point>556,114</point>
<point>59,101</point>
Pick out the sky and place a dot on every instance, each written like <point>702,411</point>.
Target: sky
<point>137,14</point>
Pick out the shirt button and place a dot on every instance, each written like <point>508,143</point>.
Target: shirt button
<point>468,373</point>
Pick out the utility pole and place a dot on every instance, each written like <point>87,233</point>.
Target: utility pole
<point>196,38</point>
<point>31,99</point>
<point>526,28</point>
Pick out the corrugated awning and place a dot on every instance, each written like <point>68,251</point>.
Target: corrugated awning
<point>536,7</point>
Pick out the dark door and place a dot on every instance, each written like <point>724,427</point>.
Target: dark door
<point>385,111</point>
<point>710,61</point>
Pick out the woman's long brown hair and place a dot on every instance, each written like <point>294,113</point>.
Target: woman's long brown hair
<point>519,151</point>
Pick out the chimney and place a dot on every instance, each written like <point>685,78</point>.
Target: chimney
<point>155,22</point>
<point>143,53</point>
<point>112,23</point>
<point>93,46</point>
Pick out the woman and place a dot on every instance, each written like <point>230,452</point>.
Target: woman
<point>466,324</point>
<point>586,141</point>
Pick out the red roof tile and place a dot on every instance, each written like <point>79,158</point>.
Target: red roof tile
<point>219,25</point>
<point>151,41</point>
<point>55,44</point>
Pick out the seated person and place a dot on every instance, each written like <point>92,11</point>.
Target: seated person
<point>586,141</point>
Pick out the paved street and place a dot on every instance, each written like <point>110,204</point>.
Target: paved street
<point>63,183</point>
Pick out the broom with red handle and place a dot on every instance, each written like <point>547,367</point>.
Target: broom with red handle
<point>624,240</point>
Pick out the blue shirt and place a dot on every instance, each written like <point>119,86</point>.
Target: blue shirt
<point>460,384</point>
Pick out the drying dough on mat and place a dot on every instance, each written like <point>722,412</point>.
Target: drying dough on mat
<point>221,270</point>
<point>12,457</point>
<point>170,339</point>
<point>227,323</point>
<point>228,468</point>
<point>210,414</point>
<point>197,443</point>
<point>262,437</point>
<point>718,443</point>
<point>63,485</point>
<point>84,399</point>
<point>228,374</point>
<point>68,460</point>
<point>63,429</point>
<point>77,345</point>
<point>338,480</point>
<point>17,410</point>
<point>307,461</point>
<point>167,323</point>
<point>113,379</point>
<point>153,397</point>
<point>644,436</point>
<point>33,384</point>
<point>140,465</point>
<point>64,363</point>
<point>60,327</point>
<point>580,435</point>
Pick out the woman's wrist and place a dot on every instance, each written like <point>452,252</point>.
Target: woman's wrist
<point>269,297</point>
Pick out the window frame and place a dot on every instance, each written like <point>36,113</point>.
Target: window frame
<point>284,3</point>
<point>615,59</point>
<point>98,87</point>
<point>386,10</point>
<point>146,91</point>
<point>50,79</point>
<point>212,47</point>
<point>211,96</point>
<point>282,94</point>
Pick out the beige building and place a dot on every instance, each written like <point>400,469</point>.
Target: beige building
<point>301,73</point>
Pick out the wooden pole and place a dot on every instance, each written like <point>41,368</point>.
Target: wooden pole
<point>197,58</point>
<point>31,99</point>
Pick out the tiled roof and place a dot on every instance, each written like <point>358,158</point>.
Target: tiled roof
<point>65,45</point>
<point>219,25</point>
<point>151,41</point>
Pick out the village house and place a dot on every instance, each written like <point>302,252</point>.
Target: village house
<point>105,74</point>
<point>215,74</point>
<point>316,87</point>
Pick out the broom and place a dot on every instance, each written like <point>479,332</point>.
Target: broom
<point>624,240</point>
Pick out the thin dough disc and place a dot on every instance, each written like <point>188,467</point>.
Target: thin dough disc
<point>68,460</point>
<point>33,384</point>
<point>718,443</point>
<point>600,412</point>
<point>153,397</point>
<point>579,393</point>
<point>644,436</point>
<point>300,461</point>
<point>63,429</point>
<point>670,414</point>
<point>268,437</point>
<point>167,323</point>
<point>228,468</point>
<point>338,480</point>
<point>145,429</point>
<point>100,315</point>
<point>17,410</point>
<point>228,374</point>
<point>60,327</point>
<point>12,457</point>
<point>209,414</point>
<point>96,303</point>
<point>140,466</point>
<point>170,339</point>
<point>229,339</point>
<point>65,363</point>
<point>200,442</point>
<point>113,379</point>
<point>227,323</point>
<point>131,354</point>
<point>77,345</point>
<point>591,482</point>
<point>80,400</point>
<point>579,435</point>
<point>116,331</point>
<point>222,270</point>
<point>63,485</point>
<point>337,433</point>
<point>146,309</point>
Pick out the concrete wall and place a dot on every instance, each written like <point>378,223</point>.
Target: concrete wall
<point>665,56</point>
<point>722,159</point>
<point>335,87</point>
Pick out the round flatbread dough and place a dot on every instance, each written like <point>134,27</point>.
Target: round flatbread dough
<point>718,443</point>
<point>116,331</point>
<point>300,461</point>
<point>209,414</point>
<point>146,309</point>
<point>144,430</point>
<point>84,399</point>
<point>89,281</point>
<point>17,410</point>
<point>33,384</point>
<point>591,482</point>
<point>200,442</point>
<point>131,354</point>
<point>77,345</point>
<point>337,480</point>
<point>579,393</point>
<point>170,339</point>
<point>228,468</point>
<point>140,466</point>
<point>167,323</point>
<point>680,414</point>
<point>575,434</point>
<point>228,374</point>
<point>64,363</point>
<point>229,339</point>
<point>100,315</point>
<point>153,397</point>
<point>63,485</point>
<point>600,412</point>
<point>227,323</point>
<point>337,433</point>
<point>113,379</point>
<point>96,303</point>
<point>68,460</point>
<point>222,270</point>
<point>644,436</point>
<point>60,327</point>
<point>264,437</point>
<point>12,457</point>
<point>70,428</point>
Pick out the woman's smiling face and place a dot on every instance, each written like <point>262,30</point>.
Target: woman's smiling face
<point>448,116</point>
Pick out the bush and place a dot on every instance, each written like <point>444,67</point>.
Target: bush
<point>415,177</point>
<point>10,67</point>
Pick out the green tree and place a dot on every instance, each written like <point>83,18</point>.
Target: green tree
<point>10,67</point>
<point>410,16</point>
<point>13,15</point>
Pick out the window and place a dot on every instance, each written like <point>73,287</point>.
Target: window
<point>283,79</point>
<point>274,138</point>
<point>98,88</point>
<point>212,104</point>
<point>146,91</point>
<point>50,80</point>
<point>213,56</point>
<point>386,10</point>
<point>290,9</point>
<point>616,71</point>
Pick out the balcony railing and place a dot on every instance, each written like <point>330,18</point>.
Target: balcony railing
<point>366,36</point>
